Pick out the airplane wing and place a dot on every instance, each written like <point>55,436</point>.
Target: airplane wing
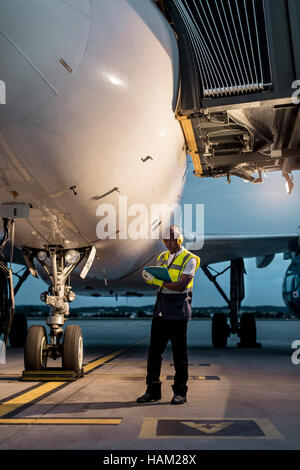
<point>216,249</point>
<point>220,248</point>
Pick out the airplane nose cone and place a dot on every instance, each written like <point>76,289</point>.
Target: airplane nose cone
<point>42,43</point>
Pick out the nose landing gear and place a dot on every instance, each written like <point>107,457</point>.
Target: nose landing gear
<point>58,264</point>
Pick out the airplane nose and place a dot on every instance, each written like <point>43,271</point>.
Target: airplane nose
<point>42,43</point>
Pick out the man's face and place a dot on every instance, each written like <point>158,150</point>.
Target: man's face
<point>172,245</point>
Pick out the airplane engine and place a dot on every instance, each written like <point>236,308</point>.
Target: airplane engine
<point>291,287</point>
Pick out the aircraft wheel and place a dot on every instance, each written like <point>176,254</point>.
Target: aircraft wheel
<point>219,330</point>
<point>72,349</point>
<point>247,332</point>
<point>36,348</point>
<point>18,331</point>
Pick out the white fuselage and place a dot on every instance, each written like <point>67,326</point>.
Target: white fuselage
<point>88,123</point>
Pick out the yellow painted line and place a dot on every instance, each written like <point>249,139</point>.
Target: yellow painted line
<point>9,375</point>
<point>102,360</point>
<point>50,372</point>
<point>124,376</point>
<point>120,376</point>
<point>49,379</point>
<point>27,397</point>
<point>207,378</point>
<point>149,429</point>
<point>125,363</point>
<point>105,421</point>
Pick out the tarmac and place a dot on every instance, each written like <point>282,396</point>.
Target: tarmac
<point>237,398</point>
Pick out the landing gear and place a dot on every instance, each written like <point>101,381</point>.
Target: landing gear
<point>19,326</point>
<point>5,311</point>
<point>247,331</point>
<point>246,327</point>
<point>220,331</point>
<point>72,349</point>
<point>58,263</point>
<point>18,331</point>
<point>7,293</point>
<point>35,357</point>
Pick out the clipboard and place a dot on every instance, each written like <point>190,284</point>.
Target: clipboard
<point>160,273</point>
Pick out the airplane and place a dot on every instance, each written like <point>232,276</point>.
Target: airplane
<point>105,100</point>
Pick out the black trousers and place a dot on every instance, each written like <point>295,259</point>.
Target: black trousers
<point>162,331</point>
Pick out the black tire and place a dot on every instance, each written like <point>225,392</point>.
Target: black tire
<point>219,330</point>
<point>18,331</point>
<point>72,349</point>
<point>35,357</point>
<point>247,331</point>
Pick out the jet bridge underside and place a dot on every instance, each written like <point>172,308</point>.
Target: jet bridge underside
<point>238,103</point>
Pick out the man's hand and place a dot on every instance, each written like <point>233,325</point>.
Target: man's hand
<point>180,285</point>
<point>151,280</point>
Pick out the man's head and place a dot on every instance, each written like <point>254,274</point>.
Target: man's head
<point>173,238</point>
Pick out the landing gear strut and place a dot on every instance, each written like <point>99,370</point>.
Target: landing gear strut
<point>58,263</point>
<point>245,328</point>
<point>12,326</point>
<point>219,330</point>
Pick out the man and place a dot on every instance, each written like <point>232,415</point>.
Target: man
<point>172,311</point>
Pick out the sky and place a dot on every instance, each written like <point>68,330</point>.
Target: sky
<point>237,208</point>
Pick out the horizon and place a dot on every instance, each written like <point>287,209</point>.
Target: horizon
<point>151,306</point>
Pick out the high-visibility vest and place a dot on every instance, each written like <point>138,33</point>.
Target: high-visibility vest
<point>177,266</point>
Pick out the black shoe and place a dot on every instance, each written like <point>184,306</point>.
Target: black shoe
<point>178,400</point>
<point>148,398</point>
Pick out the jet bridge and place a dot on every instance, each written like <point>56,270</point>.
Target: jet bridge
<point>239,97</point>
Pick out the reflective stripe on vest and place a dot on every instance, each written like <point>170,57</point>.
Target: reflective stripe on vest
<point>177,266</point>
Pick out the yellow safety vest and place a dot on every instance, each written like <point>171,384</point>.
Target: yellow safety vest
<point>177,265</point>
